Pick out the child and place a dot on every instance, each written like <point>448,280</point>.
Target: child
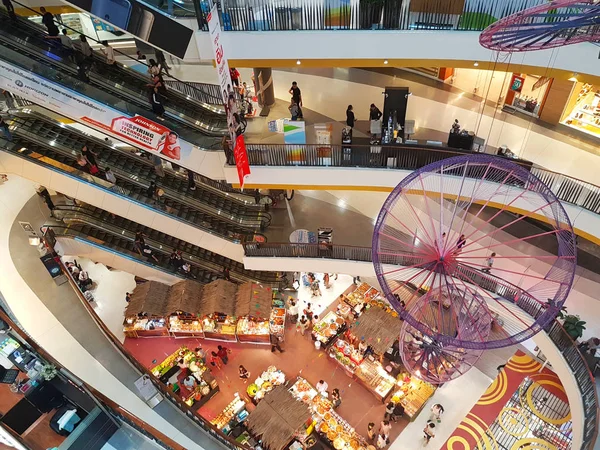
<point>244,374</point>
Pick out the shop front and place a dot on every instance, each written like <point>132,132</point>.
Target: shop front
<point>254,307</point>
<point>582,111</point>
<point>217,310</point>
<point>527,93</point>
<point>145,315</point>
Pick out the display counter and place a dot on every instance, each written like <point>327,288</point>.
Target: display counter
<point>413,395</point>
<point>346,355</point>
<point>219,328</point>
<point>338,433</point>
<point>373,376</point>
<point>231,416</point>
<point>250,330</point>
<point>328,328</point>
<point>277,321</point>
<point>265,383</point>
<point>358,298</point>
<point>145,327</point>
<point>182,326</point>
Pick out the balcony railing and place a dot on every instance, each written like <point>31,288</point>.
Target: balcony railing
<point>267,15</point>
<point>408,157</point>
<point>497,286</point>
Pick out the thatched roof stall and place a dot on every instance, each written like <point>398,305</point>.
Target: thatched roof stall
<point>378,327</point>
<point>254,300</point>
<point>185,296</point>
<point>218,296</point>
<point>277,418</point>
<point>149,297</point>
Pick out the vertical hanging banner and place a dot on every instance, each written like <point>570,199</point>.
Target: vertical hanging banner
<point>239,146</point>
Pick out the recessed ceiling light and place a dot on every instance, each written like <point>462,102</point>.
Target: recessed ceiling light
<point>476,64</point>
<point>385,61</point>
<point>298,62</point>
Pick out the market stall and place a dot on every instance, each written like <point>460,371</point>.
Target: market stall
<point>145,315</point>
<point>217,310</point>
<point>183,303</point>
<point>336,431</point>
<point>412,394</point>
<point>265,383</point>
<point>253,308</point>
<point>327,329</point>
<point>181,365</point>
<point>279,419</point>
<point>233,414</point>
<point>360,297</point>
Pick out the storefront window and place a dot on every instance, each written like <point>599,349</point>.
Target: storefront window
<point>583,110</point>
<point>529,93</point>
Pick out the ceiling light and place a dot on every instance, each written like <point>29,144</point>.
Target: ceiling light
<point>385,61</point>
<point>476,64</point>
<point>298,62</point>
<point>574,77</point>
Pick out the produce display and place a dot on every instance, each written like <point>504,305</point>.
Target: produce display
<point>266,382</point>
<point>328,327</point>
<point>328,423</point>
<point>229,412</point>
<point>185,325</point>
<point>249,326</point>
<point>213,325</point>
<point>139,327</point>
<point>346,355</point>
<point>371,373</point>
<point>277,321</point>
<point>357,296</point>
<point>413,396</point>
<point>182,353</point>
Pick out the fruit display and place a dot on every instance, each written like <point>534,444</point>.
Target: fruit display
<point>328,327</point>
<point>267,381</point>
<point>357,296</point>
<point>229,412</point>
<point>345,354</point>
<point>374,376</point>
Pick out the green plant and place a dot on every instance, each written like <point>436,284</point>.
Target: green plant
<point>48,372</point>
<point>574,326</point>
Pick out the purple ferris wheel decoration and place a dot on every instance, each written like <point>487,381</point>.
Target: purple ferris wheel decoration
<point>548,25</point>
<point>438,229</point>
<point>464,315</point>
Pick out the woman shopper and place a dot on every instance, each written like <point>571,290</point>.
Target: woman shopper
<point>303,325</point>
<point>350,119</point>
<point>336,399</point>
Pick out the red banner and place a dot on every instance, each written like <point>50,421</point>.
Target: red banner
<point>241,159</point>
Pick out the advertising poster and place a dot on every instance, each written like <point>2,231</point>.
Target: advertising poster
<point>227,93</point>
<point>138,130</point>
<point>516,84</point>
<point>294,132</point>
<point>145,23</point>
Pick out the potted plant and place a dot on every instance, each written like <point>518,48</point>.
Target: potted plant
<point>48,372</point>
<point>574,326</point>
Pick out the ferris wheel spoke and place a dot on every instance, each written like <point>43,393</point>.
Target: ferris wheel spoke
<point>476,188</point>
<point>452,281</point>
<point>426,197</point>
<point>462,183</point>
<point>415,266</point>
<point>421,250</point>
<point>497,269</point>
<point>512,241</point>
<point>431,240</point>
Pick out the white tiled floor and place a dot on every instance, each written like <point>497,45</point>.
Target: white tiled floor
<point>328,296</point>
<point>110,287</point>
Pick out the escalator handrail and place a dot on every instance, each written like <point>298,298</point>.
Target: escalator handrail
<point>169,193</point>
<point>165,249</point>
<point>99,42</point>
<point>78,176</point>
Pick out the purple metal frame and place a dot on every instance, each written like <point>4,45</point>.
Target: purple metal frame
<point>434,265</point>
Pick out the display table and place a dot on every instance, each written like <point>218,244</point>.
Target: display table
<point>328,328</point>
<point>183,327</point>
<point>231,416</point>
<point>413,395</point>
<point>461,140</point>
<point>257,332</point>
<point>373,376</point>
<point>219,330</point>
<point>145,328</point>
<point>265,383</point>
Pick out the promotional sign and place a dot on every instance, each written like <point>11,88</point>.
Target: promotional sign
<point>138,131</point>
<point>227,93</point>
<point>142,21</point>
<point>294,132</point>
<point>516,84</point>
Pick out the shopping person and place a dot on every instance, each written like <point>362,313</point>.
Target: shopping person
<point>428,432</point>
<point>276,340</point>
<point>437,411</point>
<point>223,353</point>
<point>191,180</point>
<point>43,192</point>
<point>5,129</point>
<point>293,311</point>
<point>350,119</point>
<point>48,20</point>
<point>489,262</point>
<point>375,122</point>
<point>244,374</point>
<point>10,8</point>
<point>297,98</point>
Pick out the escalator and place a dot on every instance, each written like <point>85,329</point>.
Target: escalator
<point>99,227</point>
<point>206,208</point>
<point>22,44</point>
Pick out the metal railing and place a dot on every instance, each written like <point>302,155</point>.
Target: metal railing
<point>408,157</point>
<point>202,92</point>
<point>573,357</point>
<point>266,15</point>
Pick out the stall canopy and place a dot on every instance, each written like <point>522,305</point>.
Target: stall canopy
<point>254,300</point>
<point>149,297</point>
<point>218,296</point>
<point>277,418</point>
<point>185,296</point>
<point>378,328</point>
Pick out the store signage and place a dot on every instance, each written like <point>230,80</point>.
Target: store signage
<point>227,93</point>
<point>138,131</point>
<point>516,84</point>
<point>241,159</point>
<point>294,132</point>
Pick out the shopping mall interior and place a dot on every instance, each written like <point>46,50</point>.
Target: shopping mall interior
<point>332,224</point>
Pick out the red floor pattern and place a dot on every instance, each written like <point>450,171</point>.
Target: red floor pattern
<point>359,406</point>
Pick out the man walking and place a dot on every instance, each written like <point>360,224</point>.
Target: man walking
<point>276,341</point>
<point>297,98</point>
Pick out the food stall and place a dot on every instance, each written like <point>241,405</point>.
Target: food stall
<point>413,394</point>
<point>265,383</point>
<point>145,313</point>
<point>330,425</point>
<point>169,372</point>
<point>217,310</point>
<point>233,414</point>
<point>346,355</point>
<point>253,307</point>
<point>183,303</point>
<point>279,419</point>
<point>358,298</point>
<point>327,329</point>
<point>374,377</point>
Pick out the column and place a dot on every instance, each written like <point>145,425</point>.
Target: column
<point>263,86</point>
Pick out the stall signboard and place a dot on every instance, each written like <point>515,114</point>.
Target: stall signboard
<point>138,131</point>
<point>226,89</point>
<point>294,132</point>
<point>516,83</point>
